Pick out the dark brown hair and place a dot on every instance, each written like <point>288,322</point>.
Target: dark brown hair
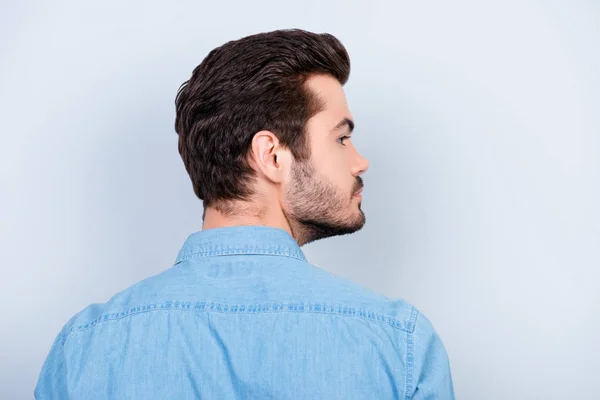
<point>245,86</point>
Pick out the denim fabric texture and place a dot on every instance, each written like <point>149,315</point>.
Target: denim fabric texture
<point>243,315</point>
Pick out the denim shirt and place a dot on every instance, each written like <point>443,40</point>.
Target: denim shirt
<point>243,315</point>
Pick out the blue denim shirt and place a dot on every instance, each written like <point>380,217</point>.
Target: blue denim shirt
<point>243,315</point>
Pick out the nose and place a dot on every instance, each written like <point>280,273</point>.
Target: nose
<point>361,165</point>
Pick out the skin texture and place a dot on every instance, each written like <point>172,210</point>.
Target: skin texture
<point>310,200</point>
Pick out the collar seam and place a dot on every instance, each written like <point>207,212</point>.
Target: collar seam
<point>237,252</point>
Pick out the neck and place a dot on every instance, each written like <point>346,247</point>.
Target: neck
<point>246,216</point>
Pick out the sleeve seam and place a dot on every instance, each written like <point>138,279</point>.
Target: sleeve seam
<point>410,359</point>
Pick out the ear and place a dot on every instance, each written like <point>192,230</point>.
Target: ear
<point>269,157</point>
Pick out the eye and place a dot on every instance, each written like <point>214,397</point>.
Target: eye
<point>341,140</point>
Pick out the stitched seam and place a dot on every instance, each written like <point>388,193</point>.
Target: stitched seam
<point>225,252</point>
<point>247,309</point>
<point>412,320</point>
<point>409,364</point>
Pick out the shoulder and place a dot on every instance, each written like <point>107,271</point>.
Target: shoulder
<point>136,298</point>
<point>306,286</point>
<point>395,311</point>
<point>425,336</point>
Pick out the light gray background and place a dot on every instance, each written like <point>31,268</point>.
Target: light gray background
<point>480,120</point>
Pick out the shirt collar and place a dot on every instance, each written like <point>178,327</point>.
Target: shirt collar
<point>239,240</point>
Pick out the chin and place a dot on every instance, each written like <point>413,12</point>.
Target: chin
<point>315,229</point>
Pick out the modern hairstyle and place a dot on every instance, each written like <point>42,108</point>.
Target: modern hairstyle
<point>245,86</point>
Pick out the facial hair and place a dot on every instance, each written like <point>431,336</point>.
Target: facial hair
<point>317,209</point>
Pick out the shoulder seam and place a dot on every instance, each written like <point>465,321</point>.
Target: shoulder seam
<point>410,361</point>
<point>410,352</point>
<point>411,321</point>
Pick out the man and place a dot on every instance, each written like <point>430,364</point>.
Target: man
<point>265,135</point>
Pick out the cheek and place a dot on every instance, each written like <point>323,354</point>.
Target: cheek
<point>338,175</point>
<point>331,161</point>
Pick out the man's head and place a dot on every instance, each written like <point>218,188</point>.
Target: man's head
<point>264,131</point>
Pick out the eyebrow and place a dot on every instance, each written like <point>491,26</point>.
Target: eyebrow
<point>346,122</point>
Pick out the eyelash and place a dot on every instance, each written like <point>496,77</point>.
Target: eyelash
<point>340,140</point>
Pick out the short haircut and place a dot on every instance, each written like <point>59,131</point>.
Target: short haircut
<point>245,86</point>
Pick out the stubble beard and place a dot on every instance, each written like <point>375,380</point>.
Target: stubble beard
<point>317,209</point>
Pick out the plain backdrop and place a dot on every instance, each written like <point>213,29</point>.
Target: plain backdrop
<point>480,119</point>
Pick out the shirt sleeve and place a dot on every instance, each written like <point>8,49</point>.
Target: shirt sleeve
<point>52,380</point>
<point>431,370</point>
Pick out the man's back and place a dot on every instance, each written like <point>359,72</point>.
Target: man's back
<point>243,315</point>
